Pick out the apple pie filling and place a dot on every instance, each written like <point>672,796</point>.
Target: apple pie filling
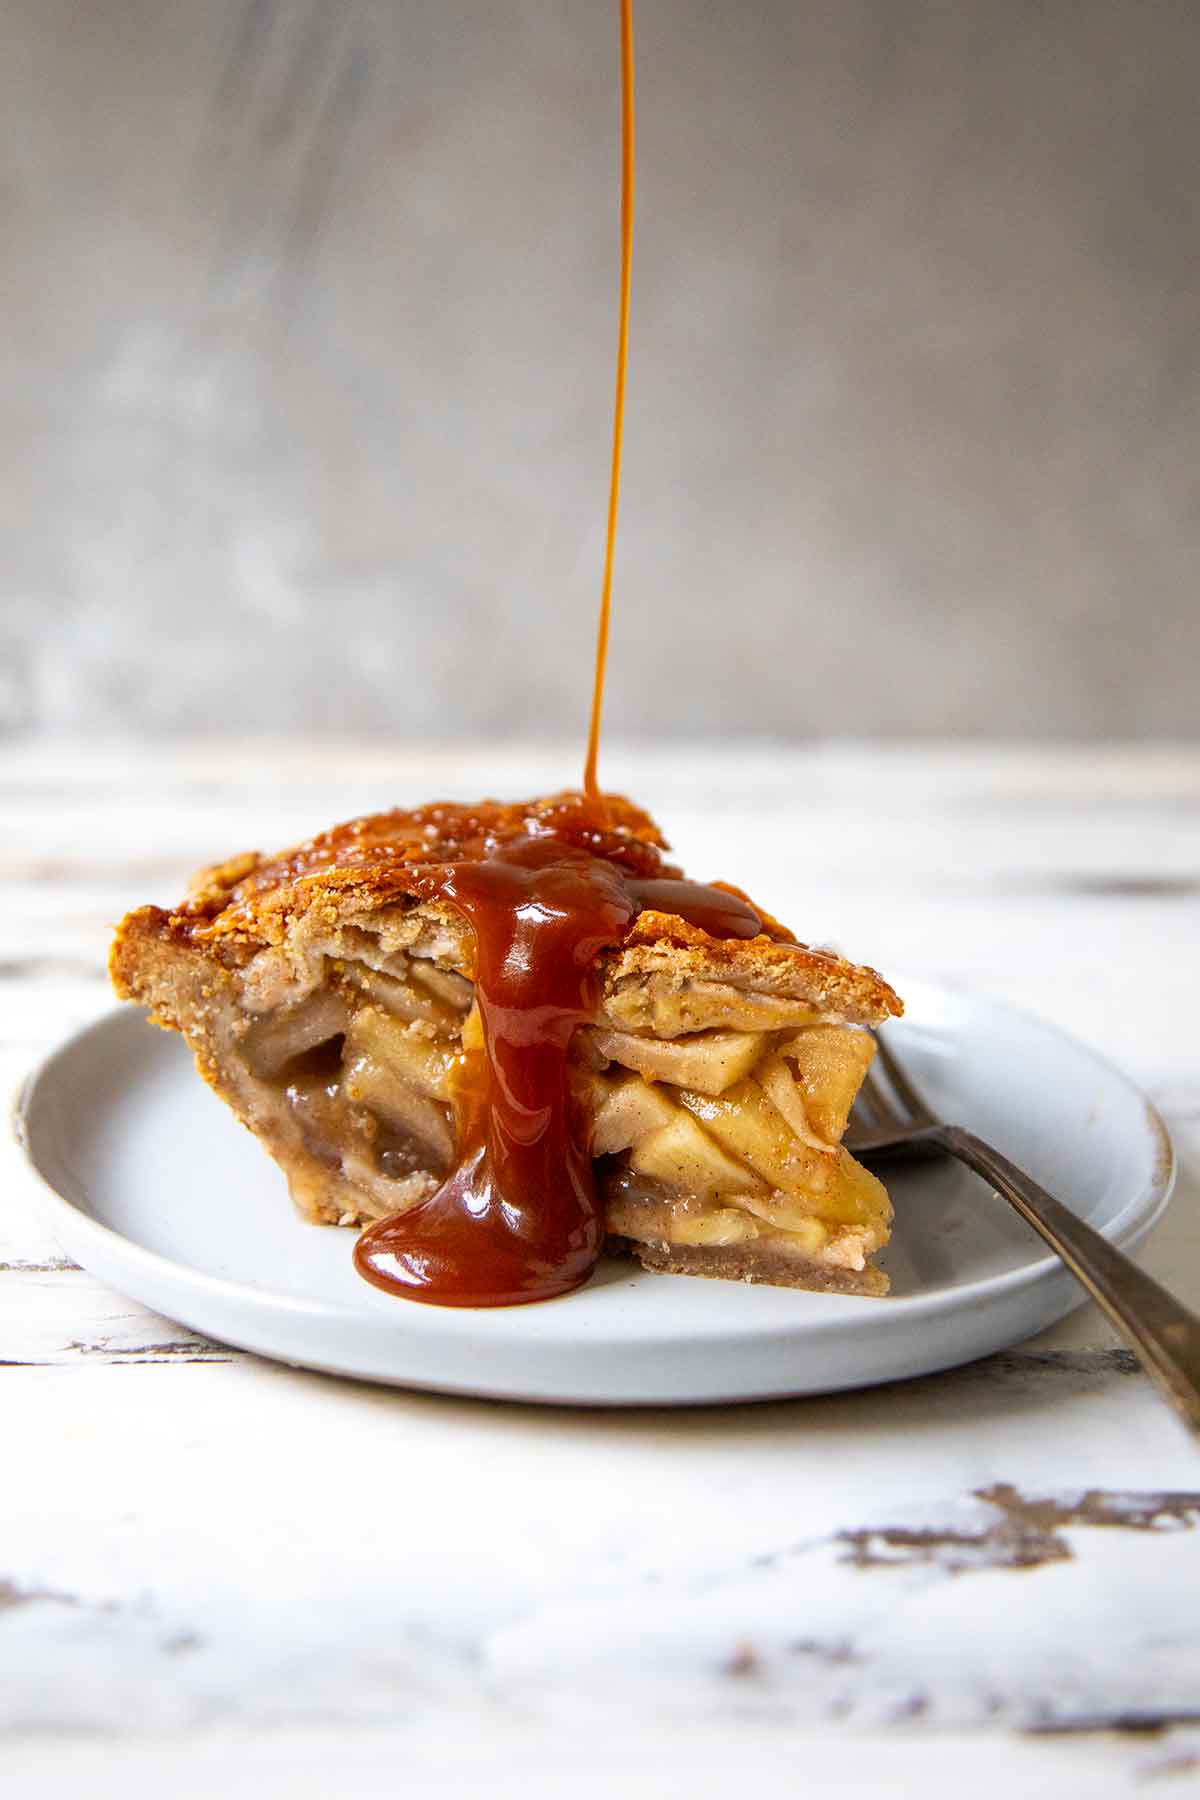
<point>707,1139</point>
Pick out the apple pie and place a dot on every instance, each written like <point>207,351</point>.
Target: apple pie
<point>358,1005</point>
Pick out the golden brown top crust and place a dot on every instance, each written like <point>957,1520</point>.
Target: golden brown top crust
<point>389,855</point>
<point>393,859</point>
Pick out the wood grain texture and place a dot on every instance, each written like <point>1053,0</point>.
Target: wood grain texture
<point>306,367</point>
<point>223,1573</point>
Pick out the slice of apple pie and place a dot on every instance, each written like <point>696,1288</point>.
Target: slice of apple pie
<point>515,1034</point>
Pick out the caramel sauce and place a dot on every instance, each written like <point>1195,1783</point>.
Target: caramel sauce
<point>519,1218</point>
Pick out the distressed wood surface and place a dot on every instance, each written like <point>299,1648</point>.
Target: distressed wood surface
<point>212,1566</point>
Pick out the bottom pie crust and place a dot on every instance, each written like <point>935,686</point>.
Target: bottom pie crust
<point>737,1263</point>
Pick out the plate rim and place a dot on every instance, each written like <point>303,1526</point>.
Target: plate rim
<point>1136,1218</point>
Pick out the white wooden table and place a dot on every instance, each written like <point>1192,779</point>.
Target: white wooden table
<point>217,1575</point>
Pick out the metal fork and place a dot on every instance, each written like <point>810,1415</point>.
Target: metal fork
<point>892,1119</point>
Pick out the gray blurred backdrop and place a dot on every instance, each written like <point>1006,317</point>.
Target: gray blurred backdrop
<point>308,313</point>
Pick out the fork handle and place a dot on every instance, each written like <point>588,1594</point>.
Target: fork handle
<point>1165,1334</point>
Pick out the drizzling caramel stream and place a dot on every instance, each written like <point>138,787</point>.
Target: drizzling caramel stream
<point>590,787</point>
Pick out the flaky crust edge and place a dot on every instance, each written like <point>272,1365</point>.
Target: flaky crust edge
<point>385,863</point>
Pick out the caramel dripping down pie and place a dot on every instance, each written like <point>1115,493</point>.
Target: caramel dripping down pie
<point>327,996</point>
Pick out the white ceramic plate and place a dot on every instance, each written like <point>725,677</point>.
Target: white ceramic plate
<point>154,1187</point>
